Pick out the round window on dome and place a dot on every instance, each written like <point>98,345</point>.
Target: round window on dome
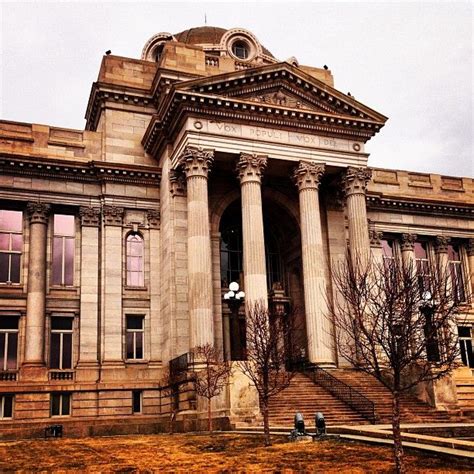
<point>240,49</point>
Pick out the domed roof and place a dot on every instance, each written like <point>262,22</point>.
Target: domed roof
<point>201,35</point>
<point>207,35</point>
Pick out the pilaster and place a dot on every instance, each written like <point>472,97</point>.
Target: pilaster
<point>408,249</point>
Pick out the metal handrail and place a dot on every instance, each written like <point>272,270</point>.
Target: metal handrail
<point>350,396</point>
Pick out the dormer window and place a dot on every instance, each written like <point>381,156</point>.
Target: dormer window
<point>240,49</point>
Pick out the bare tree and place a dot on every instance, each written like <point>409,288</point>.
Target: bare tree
<point>397,325</point>
<point>272,343</point>
<point>213,375</point>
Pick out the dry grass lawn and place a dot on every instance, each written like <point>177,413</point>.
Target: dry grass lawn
<point>195,453</point>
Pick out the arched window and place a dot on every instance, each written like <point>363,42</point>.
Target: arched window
<point>135,263</point>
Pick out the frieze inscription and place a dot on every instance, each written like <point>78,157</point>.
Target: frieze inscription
<point>280,136</point>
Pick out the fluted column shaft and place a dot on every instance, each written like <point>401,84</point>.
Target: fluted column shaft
<point>195,164</point>
<point>470,261</point>
<point>408,250</point>
<point>307,177</point>
<point>355,184</point>
<point>250,169</point>
<point>36,299</point>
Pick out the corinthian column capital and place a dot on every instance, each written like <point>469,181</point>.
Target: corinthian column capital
<point>38,212</point>
<point>408,242</point>
<point>251,167</point>
<point>441,244</point>
<point>355,180</point>
<point>308,175</point>
<point>196,162</point>
<point>470,248</point>
<point>112,215</point>
<point>90,216</point>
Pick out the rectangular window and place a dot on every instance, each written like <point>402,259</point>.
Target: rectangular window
<point>422,266</point>
<point>137,401</point>
<point>61,343</point>
<point>60,404</point>
<point>455,269</point>
<point>8,342</point>
<point>466,339</point>
<point>11,246</point>
<point>6,406</point>
<point>388,252</point>
<point>134,337</point>
<point>63,250</point>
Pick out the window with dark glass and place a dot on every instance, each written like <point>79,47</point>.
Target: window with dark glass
<point>61,343</point>
<point>231,255</point>
<point>60,404</point>
<point>455,269</point>
<point>11,245</point>
<point>135,261</point>
<point>134,337</point>
<point>240,49</point>
<point>8,342</point>
<point>63,250</point>
<point>466,340</point>
<point>422,266</point>
<point>388,252</point>
<point>137,401</point>
<point>6,406</point>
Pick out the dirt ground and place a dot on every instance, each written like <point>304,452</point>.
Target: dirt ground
<point>195,453</point>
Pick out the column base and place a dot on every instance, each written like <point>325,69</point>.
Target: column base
<point>34,372</point>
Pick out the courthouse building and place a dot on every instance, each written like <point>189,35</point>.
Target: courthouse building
<point>205,161</point>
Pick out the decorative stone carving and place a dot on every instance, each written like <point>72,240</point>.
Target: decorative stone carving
<point>375,237</point>
<point>153,217</point>
<point>441,244</point>
<point>196,162</point>
<point>90,216</point>
<point>470,248</point>
<point>408,242</point>
<point>38,212</point>
<point>112,215</point>
<point>177,183</point>
<point>308,175</point>
<point>355,180</point>
<point>250,167</point>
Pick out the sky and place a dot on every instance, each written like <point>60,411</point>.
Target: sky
<point>411,61</point>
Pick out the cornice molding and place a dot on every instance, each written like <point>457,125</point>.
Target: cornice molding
<point>418,207</point>
<point>163,124</point>
<point>92,171</point>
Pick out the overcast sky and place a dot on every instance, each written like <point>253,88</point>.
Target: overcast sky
<point>411,61</point>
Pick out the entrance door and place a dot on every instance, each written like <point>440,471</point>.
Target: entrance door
<point>466,340</point>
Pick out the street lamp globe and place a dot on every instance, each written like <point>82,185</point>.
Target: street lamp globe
<point>234,286</point>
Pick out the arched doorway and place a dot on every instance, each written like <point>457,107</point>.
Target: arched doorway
<point>283,265</point>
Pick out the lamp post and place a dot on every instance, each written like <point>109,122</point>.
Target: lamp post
<point>234,299</point>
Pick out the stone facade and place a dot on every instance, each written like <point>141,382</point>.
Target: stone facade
<point>204,162</point>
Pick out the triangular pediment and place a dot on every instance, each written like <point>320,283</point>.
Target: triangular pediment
<point>282,85</point>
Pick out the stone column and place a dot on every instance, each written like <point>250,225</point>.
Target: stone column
<point>441,250</point>
<point>307,177</point>
<point>196,163</point>
<point>38,214</point>
<point>250,169</point>
<point>408,250</point>
<point>375,236</point>
<point>355,185</point>
<point>112,283</point>
<point>89,300</point>
<point>470,261</point>
<point>156,325</point>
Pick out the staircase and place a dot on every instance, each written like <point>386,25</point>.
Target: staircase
<point>306,397</point>
<point>465,394</point>
<point>412,409</point>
